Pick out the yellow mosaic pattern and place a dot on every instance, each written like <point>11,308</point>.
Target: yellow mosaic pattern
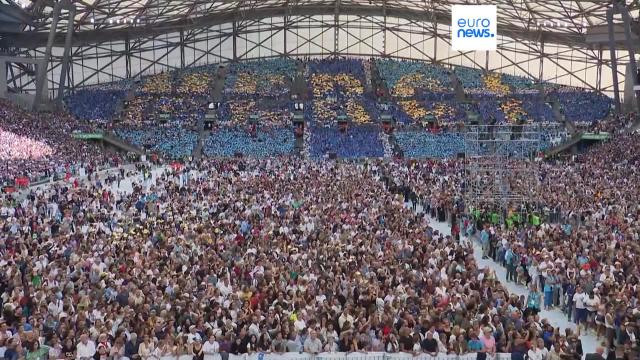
<point>414,109</point>
<point>351,85</point>
<point>273,118</point>
<point>407,85</point>
<point>241,109</point>
<point>197,83</point>
<point>246,84</point>
<point>325,83</point>
<point>264,84</point>
<point>513,110</point>
<point>493,83</point>
<point>157,84</point>
<point>356,112</point>
<point>133,111</point>
<point>324,110</point>
<point>442,112</point>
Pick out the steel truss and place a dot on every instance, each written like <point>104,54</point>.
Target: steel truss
<point>500,173</point>
<point>175,34</point>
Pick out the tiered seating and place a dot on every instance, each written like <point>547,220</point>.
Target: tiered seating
<point>157,84</point>
<point>260,77</point>
<point>493,83</point>
<point>35,144</point>
<point>516,82</point>
<point>182,110</point>
<point>356,111</point>
<point>16,147</point>
<point>195,83</point>
<point>324,110</point>
<point>174,142</point>
<point>159,101</point>
<point>246,86</point>
<point>404,77</point>
<point>356,142</point>
<point>227,142</point>
<point>489,110</point>
<point>421,144</point>
<point>513,111</point>
<point>337,87</point>
<point>582,106</point>
<point>445,113</point>
<point>469,78</point>
<point>414,109</point>
<point>236,112</point>
<point>137,110</point>
<point>536,110</point>
<point>99,102</point>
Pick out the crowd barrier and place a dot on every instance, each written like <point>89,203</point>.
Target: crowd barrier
<point>360,356</point>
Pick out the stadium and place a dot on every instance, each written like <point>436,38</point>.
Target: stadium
<point>319,179</point>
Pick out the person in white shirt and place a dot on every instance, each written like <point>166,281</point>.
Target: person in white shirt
<point>581,311</point>
<point>539,352</point>
<point>592,302</point>
<point>211,348</point>
<point>86,348</point>
<point>331,345</point>
<point>225,287</point>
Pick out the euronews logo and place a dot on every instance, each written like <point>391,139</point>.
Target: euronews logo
<point>473,27</point>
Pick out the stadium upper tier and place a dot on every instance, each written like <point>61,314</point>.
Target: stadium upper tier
<point>335,88</point>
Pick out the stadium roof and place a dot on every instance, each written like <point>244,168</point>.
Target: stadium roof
<point>557,21</point>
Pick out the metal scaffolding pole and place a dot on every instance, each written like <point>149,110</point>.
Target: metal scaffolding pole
<point>501,175</point>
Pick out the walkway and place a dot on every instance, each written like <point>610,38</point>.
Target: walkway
<point>555,317</point>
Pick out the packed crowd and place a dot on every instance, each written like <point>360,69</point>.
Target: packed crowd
<point>337,89</point>
<point>469,78</point>
<point>516,82</point>
<point>309,257</point>
<point>171,141</point>
<point>421,144</point>
<point>580,258</point>
<point>270,77</point>
<point>403,77</point>
<point>36,145</point>
<point>227,142</point>
<point>581,106</point>
<point>493,83</point>
<point>100,102</point>
<point>355,142</point>
<point>584,262</point>
<point>513,111</point>
<point>176,98</point>
<point>279,226</point>
<point>241,112</point>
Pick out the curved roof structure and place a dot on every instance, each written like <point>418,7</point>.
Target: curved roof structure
<point>561,21</point>
<point>544,40</point>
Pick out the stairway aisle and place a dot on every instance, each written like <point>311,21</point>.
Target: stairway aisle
<point>556,317</point>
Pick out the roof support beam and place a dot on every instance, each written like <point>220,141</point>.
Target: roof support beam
<point>38,39</point>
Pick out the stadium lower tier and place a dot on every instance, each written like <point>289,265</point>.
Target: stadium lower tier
<point>364,141</point>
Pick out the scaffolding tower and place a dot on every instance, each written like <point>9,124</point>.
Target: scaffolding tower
<point>501,174</point>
